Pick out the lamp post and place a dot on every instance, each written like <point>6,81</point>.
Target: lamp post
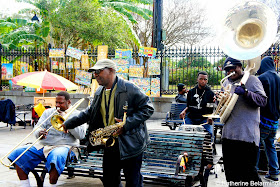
<point>157,24</point>
<point>35,18</point>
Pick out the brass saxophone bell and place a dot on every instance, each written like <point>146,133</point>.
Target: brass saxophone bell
<point>57,121</point>
<point>104,136</point>
<point>108,142</point>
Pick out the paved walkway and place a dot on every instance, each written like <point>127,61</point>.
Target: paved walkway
<point>8,178</point>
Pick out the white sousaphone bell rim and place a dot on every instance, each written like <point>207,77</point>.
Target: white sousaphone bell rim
<point>264,15</point>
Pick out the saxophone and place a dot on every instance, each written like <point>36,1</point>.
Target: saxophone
<point>104,136</point>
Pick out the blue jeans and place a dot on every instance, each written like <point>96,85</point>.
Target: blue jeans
<point>267,140</point>
<point>207,127</point>
<point>33,157</point>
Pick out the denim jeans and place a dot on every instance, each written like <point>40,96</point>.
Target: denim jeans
<point>267,140</point>
<point>33,157</point>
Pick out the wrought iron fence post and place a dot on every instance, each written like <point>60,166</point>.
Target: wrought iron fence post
<point>36,61</point>
<point>161,72</point>
<point>48,57</point>
<point>0,67</point>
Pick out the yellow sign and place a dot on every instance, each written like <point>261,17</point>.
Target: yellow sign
<point>102,52</point>
<point>46,101</point>
<point>85,64</point>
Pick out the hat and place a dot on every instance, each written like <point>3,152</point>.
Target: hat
<point>181,86</point>
<point>230,62</point>
<point>104,63</point>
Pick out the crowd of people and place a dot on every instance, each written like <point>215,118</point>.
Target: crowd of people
<point>252,122</point>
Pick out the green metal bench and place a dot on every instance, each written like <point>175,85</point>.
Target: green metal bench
<point>161,160</point>
<point>172,119</point>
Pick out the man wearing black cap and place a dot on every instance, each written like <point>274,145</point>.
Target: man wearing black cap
<point>107,109</point>
<point>241,135</point>
<point>182,96</point>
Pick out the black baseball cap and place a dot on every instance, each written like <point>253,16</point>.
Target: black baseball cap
<point>231,62</point>
<point>181,86</point>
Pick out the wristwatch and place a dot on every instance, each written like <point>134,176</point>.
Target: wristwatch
<point>246,92</point>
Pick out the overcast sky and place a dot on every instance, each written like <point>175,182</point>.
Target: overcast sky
<point>8,7</point>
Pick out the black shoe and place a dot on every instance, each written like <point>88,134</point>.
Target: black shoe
<point>270,178</point>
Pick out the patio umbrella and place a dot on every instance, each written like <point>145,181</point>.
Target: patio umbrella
<point>45,80</point>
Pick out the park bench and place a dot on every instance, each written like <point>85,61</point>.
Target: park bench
<point>172,119</point>
<point>161,160</point>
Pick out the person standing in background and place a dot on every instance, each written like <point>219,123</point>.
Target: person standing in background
<point>270,115</point>
<point>182,94</point>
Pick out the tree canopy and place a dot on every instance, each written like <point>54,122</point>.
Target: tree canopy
<point>80,23</point>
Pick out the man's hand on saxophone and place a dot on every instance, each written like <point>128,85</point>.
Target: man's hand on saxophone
<point>120,130</point>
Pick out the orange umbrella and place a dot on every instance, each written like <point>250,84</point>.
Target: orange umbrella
<point>45,80</point>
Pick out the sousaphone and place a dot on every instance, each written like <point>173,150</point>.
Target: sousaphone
<point>248,31</point>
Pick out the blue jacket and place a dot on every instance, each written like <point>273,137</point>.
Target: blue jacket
<point>7,111</point>
<point>271,84</point>
<point>135,137</point>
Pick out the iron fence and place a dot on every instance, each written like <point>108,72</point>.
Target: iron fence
<point>178,65</point>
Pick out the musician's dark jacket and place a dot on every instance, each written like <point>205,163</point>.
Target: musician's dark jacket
<point>207,97</point>
<point>271,84</point>
<point>181,98</point>
<point>135,138</point>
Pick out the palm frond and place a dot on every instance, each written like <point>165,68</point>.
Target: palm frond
<point>126,8</point>
<point>7,24</point>
<point>19,21</point>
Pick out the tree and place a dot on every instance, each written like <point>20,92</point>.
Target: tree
<point>18,32</point>
<point>129,7</point>
<point>184,23</point>
<point>79,23</point>
<point>91,21</point>
<point>143,28</point>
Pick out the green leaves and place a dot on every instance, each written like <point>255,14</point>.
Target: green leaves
<point>87,22</point>
<point>16,32</point>
<point>128,7</point>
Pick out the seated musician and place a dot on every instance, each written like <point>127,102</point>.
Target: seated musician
<point>53,146</point>
<point>198,100</point>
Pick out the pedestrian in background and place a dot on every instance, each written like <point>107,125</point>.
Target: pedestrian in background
<point>270,115</point>
<point>182,94</point>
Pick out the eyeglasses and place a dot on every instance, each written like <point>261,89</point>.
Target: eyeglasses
<point>98,71</point>
<point>230,68</point>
